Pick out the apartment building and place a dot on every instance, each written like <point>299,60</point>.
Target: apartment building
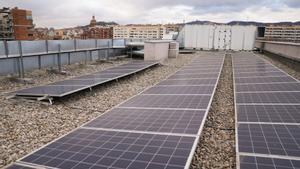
<point>173,27</point>
<point>282,33</point>
<point>6,24</point>
<point>94,31</point>
<point>23,24</point>
<point>139,31</point>
<point>98,32</point>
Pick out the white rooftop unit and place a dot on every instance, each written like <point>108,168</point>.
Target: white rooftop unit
<point>222,37</point>
<point>156,49</point>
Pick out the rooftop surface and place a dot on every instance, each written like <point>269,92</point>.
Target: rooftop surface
<point>26,126</point>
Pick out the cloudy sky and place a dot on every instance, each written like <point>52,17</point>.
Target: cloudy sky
<point>68,13</point>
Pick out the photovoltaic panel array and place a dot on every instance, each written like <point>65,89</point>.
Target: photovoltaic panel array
<point>267,104</point>
<point>66,87</point>
<point>157,129</point>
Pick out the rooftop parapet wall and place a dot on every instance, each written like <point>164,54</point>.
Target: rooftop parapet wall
<point>21,56</point>
<point>285,49</point>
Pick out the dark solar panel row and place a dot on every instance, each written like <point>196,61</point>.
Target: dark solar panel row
<point>86,148</point>
<point>66,87</point>
<point>267,104</point>
<point>252,162</point>
<point>157,129</point>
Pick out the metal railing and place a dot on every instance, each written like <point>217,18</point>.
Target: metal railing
<point>18,56</point>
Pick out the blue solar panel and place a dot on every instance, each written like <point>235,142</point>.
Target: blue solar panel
<point>85,148</point>
<point>62,88</point>
<point>267,106</point>
<point>157,129</point>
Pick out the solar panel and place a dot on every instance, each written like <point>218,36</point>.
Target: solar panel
<point>180,90</point>
<point>269,113</point>
<point>153,130</point>
<point>269,139</point>
<point>189,67</point>
<point>268,87</point>
<point>134,67</point>
<point>265,80</point>
<point>203,75</point>
<point>56,91</point>
<point>266,65</point>
<point>111,149</point>
<point>99,76</point>
<point>152,120</point>
<point>168,101</point>
<point>18,166</point>
<point>254,162</point>
<point>187,82</point>
<point>199,72</point>
<point>204,64</point>
<point>256,70</point>
<point>249,63</point>
<point>259,74</point>
<point>123,71</point>
<point>73,82</point>
<point>278,97</point>
<point>195,71</point>
<point>63,88</point>
<point>200,69</point>
<point>193,76</point>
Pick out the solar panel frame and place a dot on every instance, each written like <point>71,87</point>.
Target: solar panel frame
<point>150,120</point>
<point>123,71</point>
<point>269,139</point>
<point>190,156</point>
<point>260,74</point>
<point>192,76</point>
<point>197,71</point>
<point>19,166</point>
<point>197,102</point>
<point>74,82</point>
<point>257,70</point>
<point>256,120</point>
<point>188,82</point>
<point>61,91</point>
<point>81,148</point>
<point>282,79</point>
<point>31,92</point>
<point>267,87</point>
<point>269,98</point>
<point>267,65</point>
<point>180,90</point>
<point>257,162</point>
<point>202,124</point>
<point>98,76</point>
<point>268,113</point>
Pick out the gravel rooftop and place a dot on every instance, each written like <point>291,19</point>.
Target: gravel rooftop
<point>26,126</point>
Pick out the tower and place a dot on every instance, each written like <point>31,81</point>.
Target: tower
<point>93,22</point>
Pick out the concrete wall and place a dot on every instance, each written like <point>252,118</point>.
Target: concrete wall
<point>285,49</point>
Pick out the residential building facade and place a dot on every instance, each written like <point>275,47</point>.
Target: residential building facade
<point>139,32</point>
<point>93,31</point>
<point>6,24</point>
<point>173,27</point>
<point>22,24</point>
<point>282,33</point>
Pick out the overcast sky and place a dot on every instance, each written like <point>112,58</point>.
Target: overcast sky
<point>69,13</point>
